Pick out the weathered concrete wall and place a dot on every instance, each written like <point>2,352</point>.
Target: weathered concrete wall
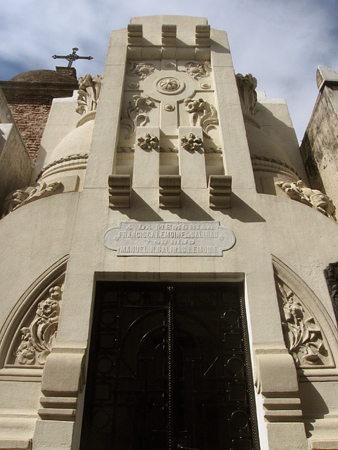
<point>319,147</point>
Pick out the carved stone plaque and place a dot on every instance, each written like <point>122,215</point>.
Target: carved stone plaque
<point>169,239</point>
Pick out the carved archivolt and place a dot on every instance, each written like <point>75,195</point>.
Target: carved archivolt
<point>309,332</point>
<point>201,113</point>
<point>88,93</point>
<point>303,336</point>
<point>29,332</point>
<point>136,113</point>
<point>311,197</point>
<point>38,337</point>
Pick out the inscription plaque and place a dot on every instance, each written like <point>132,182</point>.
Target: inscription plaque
<point>169,239</point>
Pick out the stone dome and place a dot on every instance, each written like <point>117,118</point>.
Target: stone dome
<point>43,76</point>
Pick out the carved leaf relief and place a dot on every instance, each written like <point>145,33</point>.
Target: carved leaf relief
<point>38,336</point>
<point>136,113</point>
<point>88,93</point>
<point>303,336</point>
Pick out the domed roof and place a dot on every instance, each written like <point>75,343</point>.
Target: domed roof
<point>43,76</point>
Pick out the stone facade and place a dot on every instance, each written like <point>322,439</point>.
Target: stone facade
<point>168,172</point>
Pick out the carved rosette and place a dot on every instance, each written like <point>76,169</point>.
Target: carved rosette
<point>88,93</point>
<point>38,337</point>
<point>303,337</point>
<point>192,143</point>
<point>136,114</point>
<point>311,197</point>
<point>148,142</point>
<point>140,69</point>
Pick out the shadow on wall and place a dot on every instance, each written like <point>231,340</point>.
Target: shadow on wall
<point>190,210</point>
<point>313,405</point>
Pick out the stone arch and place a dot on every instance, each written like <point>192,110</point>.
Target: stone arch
<point>310,334</point>
<point>27,335</point>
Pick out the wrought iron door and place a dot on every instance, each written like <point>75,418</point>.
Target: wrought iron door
<point>169,368</point>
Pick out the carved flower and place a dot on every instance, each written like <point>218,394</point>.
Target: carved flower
<point>148,141</point>
<point>25,353</point>
<point>140,69</point>
<point>48,309</point>
<point>169,84</point>
<point>191,142</point>
<point>198,70</point>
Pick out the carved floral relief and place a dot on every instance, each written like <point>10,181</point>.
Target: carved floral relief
<point>311,197</point>
<point>198,70</point>
<point>136,113</point>
<point>192,143</point>
<point>303,336</point>
<point>148,141</point>
<point>21,197</point>
<point>201,113</point>
<point>37,338</point>
<point>140,69</point>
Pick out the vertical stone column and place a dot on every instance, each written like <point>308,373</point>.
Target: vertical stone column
<point>147,157</point>
<point>192,159</point>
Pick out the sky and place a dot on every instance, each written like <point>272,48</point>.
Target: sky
<point>281,42</point>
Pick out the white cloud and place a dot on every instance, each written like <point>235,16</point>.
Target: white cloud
<point>281,42</point>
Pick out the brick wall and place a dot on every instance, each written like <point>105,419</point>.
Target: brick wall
<point>31,118</point>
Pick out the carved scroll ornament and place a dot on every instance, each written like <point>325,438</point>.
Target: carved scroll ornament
<point>303,336</point>
<point>201,113</point>
<point>37,339</point>
<point>88,93</point>
<point>311,197</point>
<point>136,113</point>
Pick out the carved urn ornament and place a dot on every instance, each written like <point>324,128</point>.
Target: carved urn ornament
<point>192,143</point>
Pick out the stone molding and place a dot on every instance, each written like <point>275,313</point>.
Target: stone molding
<point>78,160</point>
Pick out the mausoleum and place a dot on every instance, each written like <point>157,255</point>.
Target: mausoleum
<point>164,263</point>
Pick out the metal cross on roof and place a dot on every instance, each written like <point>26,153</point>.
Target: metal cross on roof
<point>72,57</point>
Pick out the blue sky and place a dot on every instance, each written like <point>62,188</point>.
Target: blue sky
<point>280,42</point>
